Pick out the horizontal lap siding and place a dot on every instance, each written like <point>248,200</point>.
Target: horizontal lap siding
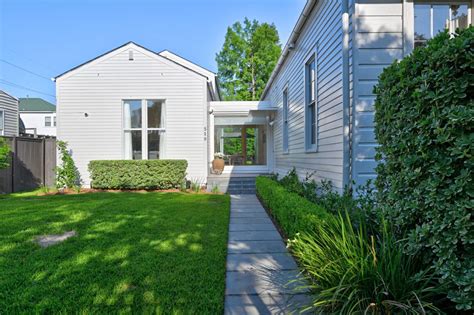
<point>10,109</point>
<point>377,42</point>
<point>99,90</point>
<point>324,29</point>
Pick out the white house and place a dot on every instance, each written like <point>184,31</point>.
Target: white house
<point>38,116</point>
<point>316,113</point>
<point>8,115</point>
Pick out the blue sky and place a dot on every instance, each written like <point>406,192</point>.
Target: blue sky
<point>48,37</point>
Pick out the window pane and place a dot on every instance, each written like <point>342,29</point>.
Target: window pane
<point>133,145</point>
<point>422,23</point>
<point>241,145</point>
<point>154,114</point>
<point>459,17</point>
<point>154,144</point>
<point>440,18</point>
<point>1,120</point>
<point>47,121</point>
<point>54,118</point>
<point>132,114</point>
<point>312,114</point>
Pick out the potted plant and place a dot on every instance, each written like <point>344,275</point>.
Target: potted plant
<point>218,163</point>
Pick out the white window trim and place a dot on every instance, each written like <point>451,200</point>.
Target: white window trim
<point>144,129</point>
<point>285,120</point>
<point>310,147</point>
<point>2,131</point>
<point>409,19</point>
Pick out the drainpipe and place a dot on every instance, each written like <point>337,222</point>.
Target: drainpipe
<point>346,95</point>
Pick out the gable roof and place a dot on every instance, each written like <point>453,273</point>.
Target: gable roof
<point>120,47</point>
<point>36,105</point>
<point>6,94</point>
<point>177,58</point>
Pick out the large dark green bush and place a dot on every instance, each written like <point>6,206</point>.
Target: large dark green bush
<point>294,213</point>
<point>424,125</point>
<point>137,174</point>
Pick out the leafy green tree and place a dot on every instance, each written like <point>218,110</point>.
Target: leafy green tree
<point>4,154</point>
<point>247,59</point>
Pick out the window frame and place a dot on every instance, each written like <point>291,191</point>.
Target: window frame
<point>2,119</point>
<point>50,121</point>
<point>285,119</point>
<point>309,146</point>
<point>144,128</point>
<point>409,21</point>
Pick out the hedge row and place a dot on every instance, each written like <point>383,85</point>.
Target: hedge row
<point>425,128</point>
<point>137,174</point>
<point>294,214</point>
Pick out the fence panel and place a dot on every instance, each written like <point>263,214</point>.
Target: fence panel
<point>33,163</point>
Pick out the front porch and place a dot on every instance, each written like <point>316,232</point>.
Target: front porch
<point>241,134</point>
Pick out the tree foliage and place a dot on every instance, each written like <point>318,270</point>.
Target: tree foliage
<point>247,59</point>
<point>424,125</point>
<point>4,154</point>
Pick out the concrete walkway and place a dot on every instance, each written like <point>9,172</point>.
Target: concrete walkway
<point>261,277</point>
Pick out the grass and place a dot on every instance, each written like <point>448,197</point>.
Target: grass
<point>134,252</point>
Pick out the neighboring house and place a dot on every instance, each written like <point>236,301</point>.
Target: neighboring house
<point>316,112</point>
<point>8,115</point>
<point>38,116</point>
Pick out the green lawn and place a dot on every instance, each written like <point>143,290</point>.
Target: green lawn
<point>134,252</point>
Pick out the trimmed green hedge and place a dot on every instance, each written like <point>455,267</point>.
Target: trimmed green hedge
<point>425,128</point>
<point>137,174</point>
<point>294,214</point>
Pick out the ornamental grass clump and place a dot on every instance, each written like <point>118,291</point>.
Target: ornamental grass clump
<point>351,272</point>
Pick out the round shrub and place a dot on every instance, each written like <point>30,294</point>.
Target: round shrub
<point>424,125</point>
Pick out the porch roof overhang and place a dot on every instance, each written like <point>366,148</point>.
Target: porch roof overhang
<point>241,108</point>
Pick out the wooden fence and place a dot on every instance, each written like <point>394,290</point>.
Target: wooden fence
<point>33,161</point>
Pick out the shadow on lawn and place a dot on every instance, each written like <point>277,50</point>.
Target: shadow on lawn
<point>146,252</point>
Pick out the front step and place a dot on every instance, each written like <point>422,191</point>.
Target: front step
<point>232,185</point>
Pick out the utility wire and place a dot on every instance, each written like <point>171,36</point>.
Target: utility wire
<point>26,70</point>
<point>25,57</point>
<point>24,87</point>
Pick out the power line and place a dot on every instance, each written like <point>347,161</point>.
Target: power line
<point>24,87</point>
<point>26,70</point>
<point>25,57</point>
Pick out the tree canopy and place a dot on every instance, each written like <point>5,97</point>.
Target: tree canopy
<point>248,56</point>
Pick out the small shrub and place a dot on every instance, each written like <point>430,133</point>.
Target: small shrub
<point>137,174</point>
<point>363,207</point>
<point>4,154</point>
<point>352,273</point>
<point>215,189</point>
<point>196,186</point>
<point>425,127</point>
<point>293,213</point>
<point>67,175</point>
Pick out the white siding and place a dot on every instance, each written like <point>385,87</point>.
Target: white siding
<point>9,106</point>
<point>36,120</point>
<point>323,29</point>
<point>98,89</point>
<point>377,42</point>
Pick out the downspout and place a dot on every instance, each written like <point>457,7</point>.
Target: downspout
<point>346,180</point>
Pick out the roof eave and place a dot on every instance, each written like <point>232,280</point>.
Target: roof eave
<point>302,19</point>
